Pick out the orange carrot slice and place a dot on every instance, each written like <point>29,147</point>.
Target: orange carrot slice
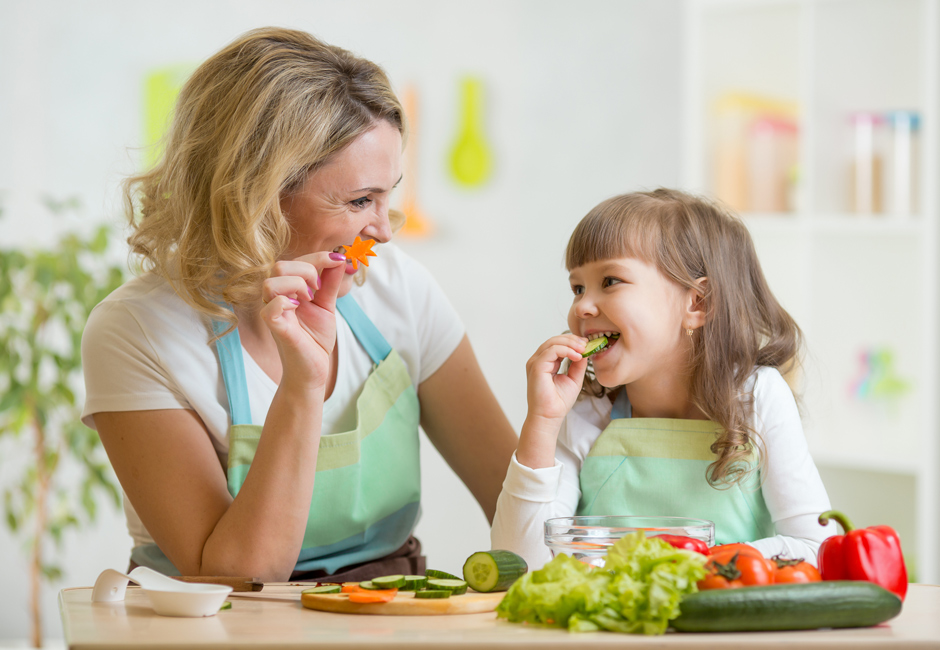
<point>372,596</point>
<point>360,251</point>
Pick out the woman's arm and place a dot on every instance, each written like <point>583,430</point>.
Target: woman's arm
<point>169,469</point>
<point>465,423</point>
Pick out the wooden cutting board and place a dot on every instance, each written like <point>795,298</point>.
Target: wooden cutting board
<point>405,604</point>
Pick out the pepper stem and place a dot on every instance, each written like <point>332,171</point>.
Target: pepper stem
<point>838,516</point>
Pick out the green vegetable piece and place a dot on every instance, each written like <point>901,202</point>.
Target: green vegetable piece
<point>368,584</point>
<point>455,587</point>
<point>637,591</point>
<point>432,593</point>
<point>226,605</point>
<point>389,582</point>
<point>414,583</point>
<point>493,570</point>
<point>806,606</point>
<point>323,589</point>
<point>594,346</point>
<point>431,573</point>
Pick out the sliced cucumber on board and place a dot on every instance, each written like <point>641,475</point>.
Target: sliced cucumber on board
<point>808,606</point>
<point>493,570</point>
<point>389,582</point>
<point>432,593</point>
<point>323,589</point>
<point>414,583</point>
<point>455,587</point>
<point>431,573</point>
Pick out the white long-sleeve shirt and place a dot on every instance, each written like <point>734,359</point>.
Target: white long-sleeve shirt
<point>790,483</point>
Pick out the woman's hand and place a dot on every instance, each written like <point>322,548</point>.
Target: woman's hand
<point>550,396</point>
<point>300,311</point>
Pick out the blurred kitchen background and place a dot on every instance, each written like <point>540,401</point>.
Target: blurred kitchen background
<point>816,120</point>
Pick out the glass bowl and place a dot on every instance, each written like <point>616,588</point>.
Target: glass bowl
<point>588,538</point>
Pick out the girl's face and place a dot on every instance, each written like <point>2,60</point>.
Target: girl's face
<point>634,299</point>
<point>348,196</point>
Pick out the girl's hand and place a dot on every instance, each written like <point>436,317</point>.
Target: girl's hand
<point>551,395</point>
<point>300,311</point>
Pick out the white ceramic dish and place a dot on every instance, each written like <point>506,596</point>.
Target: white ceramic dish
<point>169,597</point>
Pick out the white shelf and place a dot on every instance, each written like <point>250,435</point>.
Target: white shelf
<point>856,283</point>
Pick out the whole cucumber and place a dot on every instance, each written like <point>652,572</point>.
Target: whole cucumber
<point>807,606</point>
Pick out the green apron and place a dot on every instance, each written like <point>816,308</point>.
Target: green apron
<point>657,467</point>
<point>366,495</point>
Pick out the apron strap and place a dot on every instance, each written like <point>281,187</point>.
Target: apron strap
<point>364,330</point>
<point>229,348</point>
<point>621,408</point>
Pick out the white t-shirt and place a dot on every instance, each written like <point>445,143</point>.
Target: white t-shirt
<point>791,487</point>
<point>144,348</point>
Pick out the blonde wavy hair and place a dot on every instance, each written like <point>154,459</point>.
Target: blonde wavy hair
<point>688,238</point>
<point>249,126</point>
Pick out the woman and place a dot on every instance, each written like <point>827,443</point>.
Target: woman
<point>258,397</point>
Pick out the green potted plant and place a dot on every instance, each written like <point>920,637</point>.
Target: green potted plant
<point>57,469</point>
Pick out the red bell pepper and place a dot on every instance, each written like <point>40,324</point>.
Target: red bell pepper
<point>687,543</point>
<point>872,554</point>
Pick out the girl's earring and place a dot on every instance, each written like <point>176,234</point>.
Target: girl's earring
<point>689,332</point>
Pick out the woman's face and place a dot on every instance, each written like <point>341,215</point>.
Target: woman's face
<point>347,197</point>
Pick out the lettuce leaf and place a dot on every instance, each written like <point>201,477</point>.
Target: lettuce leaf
<point>637,591</point>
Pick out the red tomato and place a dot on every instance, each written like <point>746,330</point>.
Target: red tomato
<point>732,566</point>
<point>794,571</point>
<point>715,581</point>
<point>744,549</point>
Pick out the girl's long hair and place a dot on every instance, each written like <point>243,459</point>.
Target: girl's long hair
<point>688,238</point>
<point>249,126</point>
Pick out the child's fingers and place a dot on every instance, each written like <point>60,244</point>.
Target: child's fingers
<point>548,359</point>
<point>577,369</point>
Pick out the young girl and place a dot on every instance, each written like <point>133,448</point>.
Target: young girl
<point>685,412</point>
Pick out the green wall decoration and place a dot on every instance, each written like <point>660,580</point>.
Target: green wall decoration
<point>54,467</point>
<point>471,161</point>
<point>161,87</point>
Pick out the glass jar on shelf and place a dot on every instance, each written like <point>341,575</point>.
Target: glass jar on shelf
<point>866,168</point>
<point>901,162</point>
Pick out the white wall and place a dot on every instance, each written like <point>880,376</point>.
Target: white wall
<point>583,103</point>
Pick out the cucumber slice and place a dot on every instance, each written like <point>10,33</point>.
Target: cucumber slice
<point>323,589</point>
<point>432,593</point>
<point>594,346</point>
<point>443,575</point>
<point>226,605</point>
<point>414,583</point>
<point>455,587</point>
<point>493,570</point>
<point>368,584</point>
<point>389,582</point>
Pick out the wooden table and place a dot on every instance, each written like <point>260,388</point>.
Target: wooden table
<point>274,618</point>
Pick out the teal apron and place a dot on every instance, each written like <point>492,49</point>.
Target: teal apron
<point>657,467</point>
<point>366,495</point>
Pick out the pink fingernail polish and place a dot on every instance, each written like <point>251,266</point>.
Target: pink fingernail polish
<point>294,302</point>
<point>337,256</point>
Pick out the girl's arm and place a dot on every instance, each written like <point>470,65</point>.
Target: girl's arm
<point>463,420</point>
<point>791,486</point>
<point>537,487</point>
<point>530,496</point>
